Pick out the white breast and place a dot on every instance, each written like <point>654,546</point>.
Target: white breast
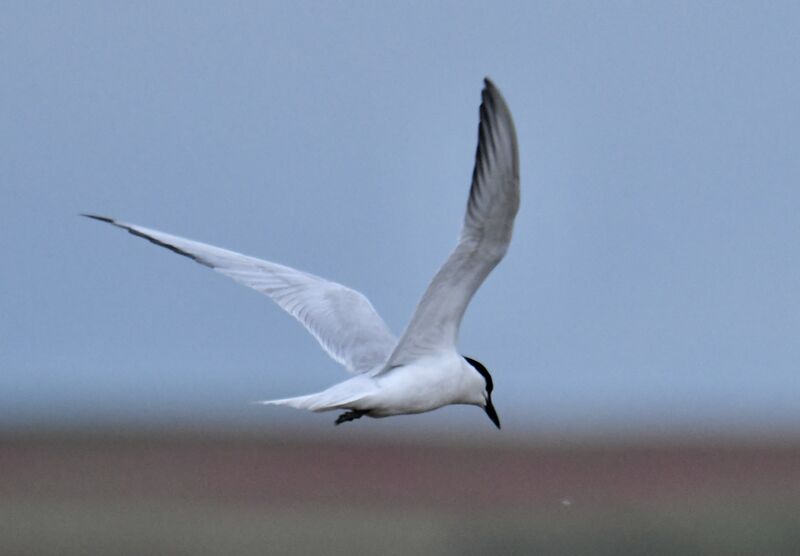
<point>424,385</point>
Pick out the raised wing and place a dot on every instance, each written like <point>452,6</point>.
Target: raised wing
<point>342,320</point>
<point>485,236</point>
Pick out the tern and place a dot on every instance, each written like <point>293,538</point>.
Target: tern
<point>423,370</point>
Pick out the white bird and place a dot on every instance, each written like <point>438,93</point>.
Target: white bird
<point>422,371</point>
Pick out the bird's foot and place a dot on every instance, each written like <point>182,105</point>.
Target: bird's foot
<point>351,415</point>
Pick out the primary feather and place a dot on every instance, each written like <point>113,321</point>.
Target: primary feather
<point>485,236</point>
<point>341,319</point>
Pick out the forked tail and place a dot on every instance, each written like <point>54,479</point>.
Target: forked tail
<point>321,401</point>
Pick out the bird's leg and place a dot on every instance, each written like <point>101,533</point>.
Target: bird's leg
<point>350,416</point>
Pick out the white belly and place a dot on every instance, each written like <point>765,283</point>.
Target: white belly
<point>427,384</point>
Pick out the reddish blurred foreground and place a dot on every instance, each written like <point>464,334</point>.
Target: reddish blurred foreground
<point>240,494</point>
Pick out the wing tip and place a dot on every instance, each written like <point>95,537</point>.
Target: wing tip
<point>98,217</point>
<point>492,93</point>
<point>142,233</point>
<point>494,111</point>
<point>107,220</point>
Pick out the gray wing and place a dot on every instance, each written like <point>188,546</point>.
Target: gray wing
<point>342,320</point>
<point>485,236</point>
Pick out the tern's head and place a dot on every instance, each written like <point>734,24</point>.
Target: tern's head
<point>486,404</point>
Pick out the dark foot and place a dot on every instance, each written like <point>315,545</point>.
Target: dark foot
<point>351,415</point>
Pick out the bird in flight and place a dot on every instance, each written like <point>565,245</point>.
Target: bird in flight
<point>423,370</point>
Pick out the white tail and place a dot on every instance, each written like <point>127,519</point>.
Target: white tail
<point>321,401</point>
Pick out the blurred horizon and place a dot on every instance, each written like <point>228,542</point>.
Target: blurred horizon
<point>217,493</point>
<point>406,431</point>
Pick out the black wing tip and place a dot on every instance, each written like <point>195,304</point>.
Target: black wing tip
<point>490,89</point>
<point>494,113</point>
<point>98,217</point>
<point>138,233</point>
<point>492,97</point>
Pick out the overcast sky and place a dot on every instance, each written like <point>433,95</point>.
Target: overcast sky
<point>654,278</point>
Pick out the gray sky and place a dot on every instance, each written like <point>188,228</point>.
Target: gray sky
<point>653,281</point>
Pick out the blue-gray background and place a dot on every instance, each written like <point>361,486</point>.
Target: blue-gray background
<point>653,284</point>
